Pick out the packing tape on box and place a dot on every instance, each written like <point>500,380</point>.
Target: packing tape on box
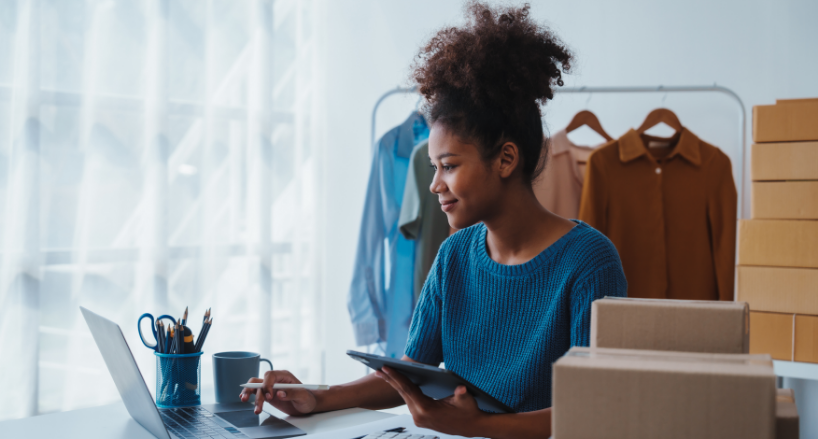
<point>692,357</point>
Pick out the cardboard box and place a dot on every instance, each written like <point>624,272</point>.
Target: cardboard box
<point>793,121</point>
<point>786,415</point>
<point>638,394</point>
<point>777,289</point>
<point>795,101</point>
<point>670,325</point>
<point>785,161</point>
<point>778,243</point>
<point>785,199</point>
<point>771,333</point>
<point>805,345</point>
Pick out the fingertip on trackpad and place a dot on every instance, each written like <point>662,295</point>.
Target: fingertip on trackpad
<point>263,425</point>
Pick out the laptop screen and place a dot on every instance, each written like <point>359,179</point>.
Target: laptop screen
<point>122,366</point>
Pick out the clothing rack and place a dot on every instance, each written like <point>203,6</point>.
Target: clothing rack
<point>742,119</point>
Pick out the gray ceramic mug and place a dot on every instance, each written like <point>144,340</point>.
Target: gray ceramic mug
<point>232,369</point>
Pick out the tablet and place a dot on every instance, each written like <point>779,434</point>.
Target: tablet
<point>433,381</point>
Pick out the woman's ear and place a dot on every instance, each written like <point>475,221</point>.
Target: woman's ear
<point>508,159</point>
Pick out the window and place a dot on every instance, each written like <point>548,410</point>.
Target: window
<point>154,155</point>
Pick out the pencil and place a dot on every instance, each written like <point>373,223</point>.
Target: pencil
<point>203,335</point>
<point>207,333</point>
<point>168,339</point>
<point>172,343</point>
<point>198,343</point>
<point>159,333</point>
<point>201,331</point>
<point>184,317</point>
<point>179,336</point>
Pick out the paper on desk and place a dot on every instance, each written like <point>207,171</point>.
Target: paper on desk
<point>373,427</point>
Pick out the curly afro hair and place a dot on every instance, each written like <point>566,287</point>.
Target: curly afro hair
<point>486,80</point>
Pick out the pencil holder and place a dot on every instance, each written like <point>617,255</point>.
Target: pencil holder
<point>177,379</point>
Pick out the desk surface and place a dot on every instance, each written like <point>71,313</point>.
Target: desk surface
<point>792,369</point>
<point>113,421</point>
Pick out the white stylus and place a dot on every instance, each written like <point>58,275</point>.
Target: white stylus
<point>281,386</point>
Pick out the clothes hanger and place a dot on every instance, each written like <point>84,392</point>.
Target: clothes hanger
<point>658,116</point>
<point>589,119</point>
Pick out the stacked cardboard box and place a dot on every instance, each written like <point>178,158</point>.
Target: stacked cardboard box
<point>669,368</point>
<point>786,415</point>
<point>644,394</point>
<point>778,247</point>
<point>670,325</point>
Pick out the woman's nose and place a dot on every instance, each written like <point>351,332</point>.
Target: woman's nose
<point>437,185</point>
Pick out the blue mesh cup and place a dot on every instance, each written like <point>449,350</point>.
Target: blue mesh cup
<point>177,379</point>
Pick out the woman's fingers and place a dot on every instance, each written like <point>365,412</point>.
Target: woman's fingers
<point>267,393</point>
<point>404,383</point>
<point>293,394</point>
<point>245,393</point>
<point>410,392</point>
<point>292,401</point>
<point>461,395</point>
<point>463,399</point>
<point>259,401</point>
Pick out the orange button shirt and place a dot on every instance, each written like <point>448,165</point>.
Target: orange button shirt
<point>670,212</point>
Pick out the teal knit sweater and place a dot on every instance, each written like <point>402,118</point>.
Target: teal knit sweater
<point>501,327</point>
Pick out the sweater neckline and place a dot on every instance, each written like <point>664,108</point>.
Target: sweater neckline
<point>527,267</point>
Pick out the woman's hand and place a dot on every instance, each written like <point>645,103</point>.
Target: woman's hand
<point>292,401</point>
<point>457,414</point>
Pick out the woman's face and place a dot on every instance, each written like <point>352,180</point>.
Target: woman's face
<point>465,183</point>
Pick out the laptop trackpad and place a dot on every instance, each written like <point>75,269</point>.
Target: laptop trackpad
<point>261,426</point>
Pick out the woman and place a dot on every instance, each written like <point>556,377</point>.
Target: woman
<point>511,292</point>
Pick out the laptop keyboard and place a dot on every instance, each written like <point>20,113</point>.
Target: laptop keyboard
<point>196,422</point>
<point>392,435</point>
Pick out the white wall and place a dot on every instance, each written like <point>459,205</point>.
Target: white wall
<point>763,50</point>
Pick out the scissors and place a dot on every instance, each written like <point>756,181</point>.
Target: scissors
<point>153,329</point>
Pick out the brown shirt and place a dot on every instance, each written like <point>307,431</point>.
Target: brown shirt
<point>559,187</point>
<point>670,212</point>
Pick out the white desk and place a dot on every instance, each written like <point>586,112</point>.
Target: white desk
<point>113,421</point>
<point>792,369</point>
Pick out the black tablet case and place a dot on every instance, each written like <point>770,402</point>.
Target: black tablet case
<point>433,381</point>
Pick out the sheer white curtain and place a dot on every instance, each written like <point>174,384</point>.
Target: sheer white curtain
<point>154,154</point>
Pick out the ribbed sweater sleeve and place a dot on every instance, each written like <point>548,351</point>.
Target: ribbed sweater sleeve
<point>608,280</point>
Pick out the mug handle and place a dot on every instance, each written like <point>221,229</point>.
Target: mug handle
<point>268,362</point>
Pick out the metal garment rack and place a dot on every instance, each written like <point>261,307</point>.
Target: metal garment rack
<point>742,119</point>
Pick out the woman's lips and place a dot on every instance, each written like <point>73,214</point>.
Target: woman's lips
<point>447,206</point>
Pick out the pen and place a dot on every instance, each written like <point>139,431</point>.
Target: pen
<point>287,386</point>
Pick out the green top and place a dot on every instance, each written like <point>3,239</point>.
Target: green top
<point>421,218</point>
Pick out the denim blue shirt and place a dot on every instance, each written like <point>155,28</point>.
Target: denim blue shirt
<point>381,298</point>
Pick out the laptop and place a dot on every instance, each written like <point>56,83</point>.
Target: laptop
<point>231,421</point>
